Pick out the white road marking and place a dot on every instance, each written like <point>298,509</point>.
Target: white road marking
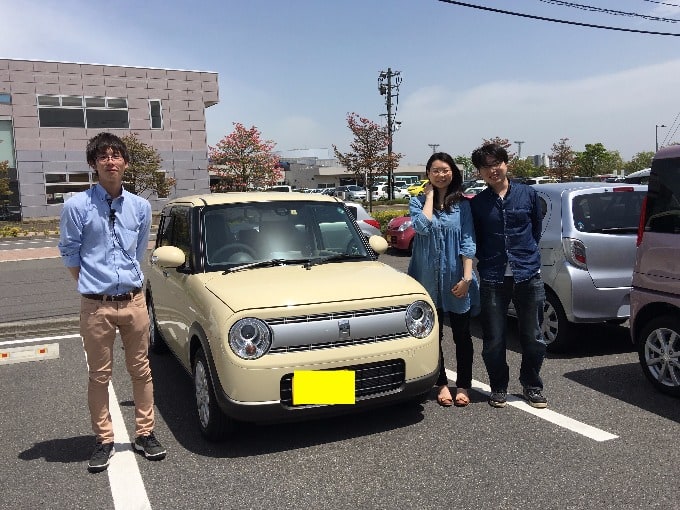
<point>127,486</point>
<point>38,340</point>
<point>545,414</point>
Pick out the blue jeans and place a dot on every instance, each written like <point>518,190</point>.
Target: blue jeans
<point>528,297</point>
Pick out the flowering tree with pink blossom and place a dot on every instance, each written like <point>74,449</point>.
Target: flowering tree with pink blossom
<point>244,161</point>
<point>368,157</point>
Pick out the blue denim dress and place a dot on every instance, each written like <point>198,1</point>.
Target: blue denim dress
<point>437,249</point>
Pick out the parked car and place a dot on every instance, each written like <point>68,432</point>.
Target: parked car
<point>639,177</point>
<point>587,254</point>
<point>367,223</point>
<point>655,296</point>
<point>351,192</point>
<point>417,188</point>
<point>249,289</point>
<point>379,192</point>
<point>400,233</point>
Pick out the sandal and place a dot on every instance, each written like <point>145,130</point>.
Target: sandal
<point>462,398</point>
<point>442,398</point>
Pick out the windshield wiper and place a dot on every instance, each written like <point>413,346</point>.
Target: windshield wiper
<point>332,258</point>
<point>259,263</point>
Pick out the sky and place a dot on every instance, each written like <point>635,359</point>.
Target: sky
<point>296,68</point>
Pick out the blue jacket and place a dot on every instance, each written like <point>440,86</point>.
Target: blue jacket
<point>437,248</point>
<point>508,230</point>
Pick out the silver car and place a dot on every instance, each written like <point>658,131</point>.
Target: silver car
<point>367,223</point>
<point>587,253</point>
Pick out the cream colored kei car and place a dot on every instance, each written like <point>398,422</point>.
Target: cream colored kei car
<point>250,289</point>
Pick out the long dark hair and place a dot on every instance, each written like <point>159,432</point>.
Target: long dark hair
<point>454,192</point>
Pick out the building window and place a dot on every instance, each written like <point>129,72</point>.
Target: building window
<point>5,98</point>
<point>156,114</point>
<point>60,187</point>
<point>83,112</point>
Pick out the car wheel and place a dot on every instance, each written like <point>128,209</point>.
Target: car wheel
<point>659,352</point>
<point>555,326</point>
<point>213,423</point>
<point>156,342</point>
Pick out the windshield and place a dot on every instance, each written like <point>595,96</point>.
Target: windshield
<point>287,232</point>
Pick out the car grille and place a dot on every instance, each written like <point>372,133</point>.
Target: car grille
<point>370,379</point>
<point>320,331</point>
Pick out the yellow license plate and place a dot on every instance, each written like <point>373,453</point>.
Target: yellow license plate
<point>323,387</point>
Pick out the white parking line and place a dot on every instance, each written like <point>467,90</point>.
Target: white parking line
<point>38,340</point>
<point>127,486</point>
<point>545,414</point>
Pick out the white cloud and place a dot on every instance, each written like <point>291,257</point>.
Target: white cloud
<point>620,110</point>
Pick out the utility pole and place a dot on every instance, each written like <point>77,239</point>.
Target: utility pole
<point>433,146</point>
<point>388,86</point>
<point>519,149</point>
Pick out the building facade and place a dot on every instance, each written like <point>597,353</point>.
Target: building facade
<point>48,111</point>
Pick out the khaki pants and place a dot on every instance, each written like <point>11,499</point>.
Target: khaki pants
<point>98,323</point>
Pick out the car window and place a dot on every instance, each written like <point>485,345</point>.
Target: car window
<point>663,200</point>
<point>607,211</point>
<point>237,234</point>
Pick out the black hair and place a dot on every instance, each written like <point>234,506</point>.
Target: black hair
<point>454,192</point>
<point>489,151</point>
<point>100,143</point>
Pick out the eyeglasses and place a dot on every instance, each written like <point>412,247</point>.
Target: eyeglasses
<point>440,171</point>
<point>103,158</point>
<point>491,164</point>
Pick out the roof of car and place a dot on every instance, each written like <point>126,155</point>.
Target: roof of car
<point>672,151</point>
<point>255,196</point>
<point>559,187</point>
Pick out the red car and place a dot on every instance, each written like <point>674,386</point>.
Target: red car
<point>400,233</point>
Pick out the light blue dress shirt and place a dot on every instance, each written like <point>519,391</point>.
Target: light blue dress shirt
<point>437,248</point>
<point>108,252</point>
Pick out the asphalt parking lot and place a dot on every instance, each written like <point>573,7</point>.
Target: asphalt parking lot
<point>606,440</point>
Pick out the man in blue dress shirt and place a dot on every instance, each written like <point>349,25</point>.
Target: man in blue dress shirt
<point>104,235</point>
<point>507,218</point>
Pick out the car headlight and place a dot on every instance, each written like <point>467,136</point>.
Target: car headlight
<point>404,226</point>
<point>250,338</point>
<point>419,319</point>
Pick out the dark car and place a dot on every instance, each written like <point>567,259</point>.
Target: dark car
<point>655,296</point>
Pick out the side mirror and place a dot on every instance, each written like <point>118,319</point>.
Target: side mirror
<point>378,244</point>
<point>168,257</point>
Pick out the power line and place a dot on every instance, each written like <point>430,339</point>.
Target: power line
<point>661,3</point>
<point>554,20</point>
<point>614,12</point>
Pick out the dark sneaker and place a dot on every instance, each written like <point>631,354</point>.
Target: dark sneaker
<point>498,399</point>
<point>100,457</point>
<point>535,398</point>
<point>150,446</point>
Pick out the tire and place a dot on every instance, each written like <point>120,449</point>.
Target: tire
<point>659,351</point>
<point>156,342</point>
<point>213,423</point>
<point>555,326</point>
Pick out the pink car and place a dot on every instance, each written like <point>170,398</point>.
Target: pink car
<point>400,233</point>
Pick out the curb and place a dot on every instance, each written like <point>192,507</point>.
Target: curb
<point>34,328</point>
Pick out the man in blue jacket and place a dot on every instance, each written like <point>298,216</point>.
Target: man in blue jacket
<point>507,218</point>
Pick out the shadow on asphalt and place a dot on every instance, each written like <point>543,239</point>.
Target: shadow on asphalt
<point>627,383</point>
<point>174,398</point>
<point>63,450</point>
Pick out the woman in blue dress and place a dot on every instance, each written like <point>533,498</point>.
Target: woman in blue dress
<point>443,249</point>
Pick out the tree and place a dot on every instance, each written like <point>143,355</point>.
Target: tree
<point>465,164</point>
<point>368,156</point>
<point>525,168</point>
<point>562,158</point>
<point>244,161</point>
<point>144,170</point>
<point>4,182</point>
<point>503,142</point>
<point>597,160</point>
<point>639,161</point>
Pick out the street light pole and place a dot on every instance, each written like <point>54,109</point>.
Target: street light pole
<point>657,134</point>
<point>433,146</point>
<point>519,148</point>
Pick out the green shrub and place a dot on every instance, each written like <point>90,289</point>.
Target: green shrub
<point>385,215</point>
